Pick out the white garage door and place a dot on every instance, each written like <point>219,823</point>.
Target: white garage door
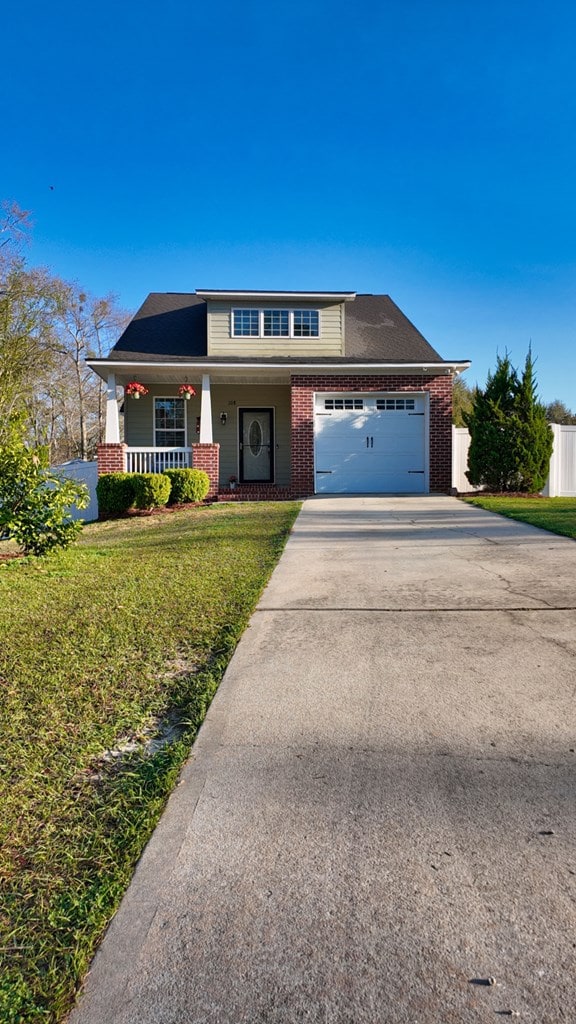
<point>370,444</point>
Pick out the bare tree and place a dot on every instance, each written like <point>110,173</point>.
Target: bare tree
<point>48,329</point>
<point>84,327</point>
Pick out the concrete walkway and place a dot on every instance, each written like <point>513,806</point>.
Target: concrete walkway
<point>379,814</point>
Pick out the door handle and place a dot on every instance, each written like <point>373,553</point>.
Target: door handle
<point>371,442</point>
<point>367,442</point>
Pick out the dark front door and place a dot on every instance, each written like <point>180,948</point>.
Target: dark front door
<point>256,446</point>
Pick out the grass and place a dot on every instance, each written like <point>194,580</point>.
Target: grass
<point>136,622</point>
<point>558,515</point>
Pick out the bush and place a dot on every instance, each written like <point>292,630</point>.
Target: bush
<point>187,485</point>
<point>151,490</point>
<point>115,493</point>
<point>34,501</point>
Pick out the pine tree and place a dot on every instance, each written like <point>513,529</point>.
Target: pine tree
<point>490,460</point>
<point>511,442</point>
<point>533,438</point>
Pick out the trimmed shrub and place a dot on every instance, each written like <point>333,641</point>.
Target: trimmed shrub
<point>187,485</point>
<point>151,490</point>
<point>115,493</point>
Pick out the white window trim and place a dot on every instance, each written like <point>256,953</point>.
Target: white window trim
<point>261,310</point>
<point>164,398</point>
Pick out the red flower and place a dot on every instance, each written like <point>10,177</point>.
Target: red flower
<point>134,388</point>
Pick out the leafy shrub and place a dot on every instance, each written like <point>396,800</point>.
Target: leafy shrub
<point>187,485</point>
<point>34,501</point>
<point>151,490</point>
<point>115,493</point>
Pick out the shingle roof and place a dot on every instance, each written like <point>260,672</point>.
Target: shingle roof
<point>168,325</point>
<point>171,326</point>
<point>377,329</point>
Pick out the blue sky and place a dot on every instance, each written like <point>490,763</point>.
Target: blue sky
<point>424,149</point>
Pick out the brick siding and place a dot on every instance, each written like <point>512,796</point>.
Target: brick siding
<point>207,457</point>
<point>111,458</point>
<point>303,388</point>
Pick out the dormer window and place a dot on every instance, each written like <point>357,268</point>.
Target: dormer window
<point>306,323</point>
<point>275,323</point>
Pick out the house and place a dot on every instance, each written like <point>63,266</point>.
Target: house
<point>296,393</point>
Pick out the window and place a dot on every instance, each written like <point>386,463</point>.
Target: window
<point>246,323</point>
<point>169,423</point>
<point>306,323</point>
<point>393,404</point>
<point>275,323</point>
<point>343,403</point>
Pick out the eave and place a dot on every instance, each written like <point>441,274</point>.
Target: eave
<point>256,372</point>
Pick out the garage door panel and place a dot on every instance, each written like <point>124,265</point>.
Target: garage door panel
<point>379,448</point>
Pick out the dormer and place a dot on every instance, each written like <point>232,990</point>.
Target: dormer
<point>266,323</point>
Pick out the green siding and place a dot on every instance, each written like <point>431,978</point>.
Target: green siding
<point>139,415</point>
<point>330,342</point>
<point>228,398</point>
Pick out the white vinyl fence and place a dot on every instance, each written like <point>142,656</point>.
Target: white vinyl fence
<point>562,476</point>
<point>87,473</point>
<point>561,482</point>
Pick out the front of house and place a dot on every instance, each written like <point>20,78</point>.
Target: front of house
<point>295,393</point>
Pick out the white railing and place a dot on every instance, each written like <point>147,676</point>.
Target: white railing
<point>156,460</point>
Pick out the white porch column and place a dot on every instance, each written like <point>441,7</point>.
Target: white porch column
<point>112,419</point>
<point>206,411</point>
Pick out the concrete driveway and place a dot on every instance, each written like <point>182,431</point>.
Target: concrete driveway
<point>379,814</point>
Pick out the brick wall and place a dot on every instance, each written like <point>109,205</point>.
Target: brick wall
<point>111,458</point>
<point>207,457</point>
<point>303,388</point>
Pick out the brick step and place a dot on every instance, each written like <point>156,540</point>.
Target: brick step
<point>261,492</point>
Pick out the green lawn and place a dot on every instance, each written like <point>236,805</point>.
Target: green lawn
<point>555,514</point>
<point>97,644</point>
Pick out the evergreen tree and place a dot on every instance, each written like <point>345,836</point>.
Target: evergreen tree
<point>490,460</point>
<point>533,439</point>
<point>511,442</point>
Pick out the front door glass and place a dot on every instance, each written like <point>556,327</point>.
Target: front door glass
<point>256,445</point>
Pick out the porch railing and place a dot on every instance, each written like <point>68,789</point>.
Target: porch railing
<point>156,460</point>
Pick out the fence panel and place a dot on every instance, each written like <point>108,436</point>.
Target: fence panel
<point>460,446</point>
<point>87,473</point>
<point>567,462</point>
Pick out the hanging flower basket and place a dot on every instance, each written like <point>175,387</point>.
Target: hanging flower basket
<point>134,389</point>
<point>186,391</point>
